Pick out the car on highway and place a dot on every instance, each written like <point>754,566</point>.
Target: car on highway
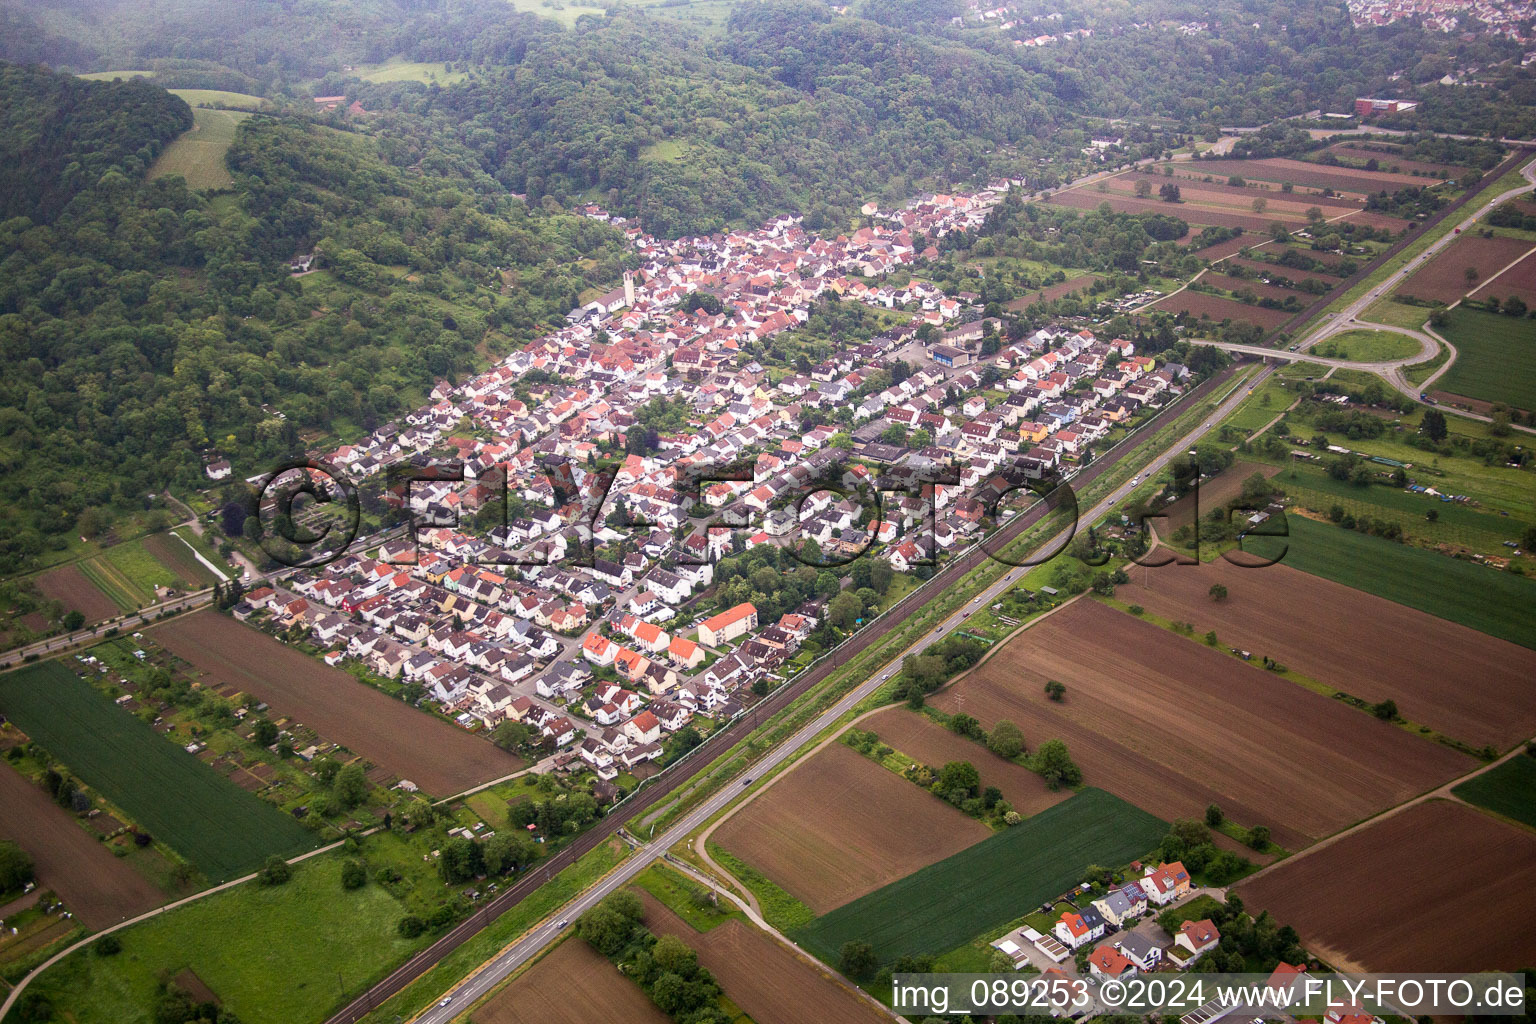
<point>445,1000</point>
<point>562,922</point>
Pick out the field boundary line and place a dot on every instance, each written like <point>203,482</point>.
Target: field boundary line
<point>1440,792</point>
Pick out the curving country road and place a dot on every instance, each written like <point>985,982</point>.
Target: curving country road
<point>1348,319</point>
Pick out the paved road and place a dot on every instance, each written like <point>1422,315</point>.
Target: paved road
<point>1348,318</point>
<point>92,634</point>
<point>509,960</point>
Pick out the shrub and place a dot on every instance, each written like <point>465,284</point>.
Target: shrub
<point>275,871</point>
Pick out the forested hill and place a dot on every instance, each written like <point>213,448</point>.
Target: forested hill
<point>60,134</point>
<point>148,328</point>
<point>796,112</point>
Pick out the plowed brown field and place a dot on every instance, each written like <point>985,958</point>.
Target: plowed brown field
<point>1438,887</point>
<point>1466,684</point>
<point>68,585</point>
<point>1444,278</point>
<point>99,888</point>
<point>1173,726</point>
<point>438,757</point>
<point>1219,308</point>
<point>1519,279</point>
<point>770,983</point>
<point>573,984</point>
<point>838,826</point>
<point>920,737</point>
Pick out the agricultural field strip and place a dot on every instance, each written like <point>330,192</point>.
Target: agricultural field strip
<point>221,828</point>
<point>1173,726</point>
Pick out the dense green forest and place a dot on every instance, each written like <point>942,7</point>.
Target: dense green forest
<point>59,135</point>
<point>147,326</point>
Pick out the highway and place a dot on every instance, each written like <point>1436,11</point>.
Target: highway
<point>493,972</point>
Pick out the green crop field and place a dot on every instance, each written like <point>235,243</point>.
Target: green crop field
<point>285,954</point>
<point>992,883</point>
<point>107,76</point>
<point>143,570</point>
<point>1509,789</point>
<point>557,10</point>
<point>1487,600</point>
<point>198,153</point>
<point>1495,358</point>
<point>206,818</point>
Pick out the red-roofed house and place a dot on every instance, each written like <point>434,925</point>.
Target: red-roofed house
<point>1197,937</point>
<point>1110,962</point>
<point>1166,883</point>
<point>728,625</point>
<point>643,728</point>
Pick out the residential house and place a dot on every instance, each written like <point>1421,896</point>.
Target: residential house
<point>1200,937</point>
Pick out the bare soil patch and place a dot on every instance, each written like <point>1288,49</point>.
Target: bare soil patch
<point>177,557</point>
<point>1055,291</point>
<point>1519,279</point>
<point>1276,270</point>
<point>1444,278</point>
<point>439,758</point>
<point>69,586</point>
<point>772,984</point>
<point>1241,195</point>
<point>1403,164</point>
<point>922,738</point>
<point>1474,687</point>
<point>1090,199</point>
<point>1173,726</point>
<point>572,984</point>
<point>1218,308</point>
<point>1438,887</point>
<point>1372,219</point>
<point>1280,169</point>
<point>99,888</point>
<point>838,826</point>
<point>1259,288</point>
